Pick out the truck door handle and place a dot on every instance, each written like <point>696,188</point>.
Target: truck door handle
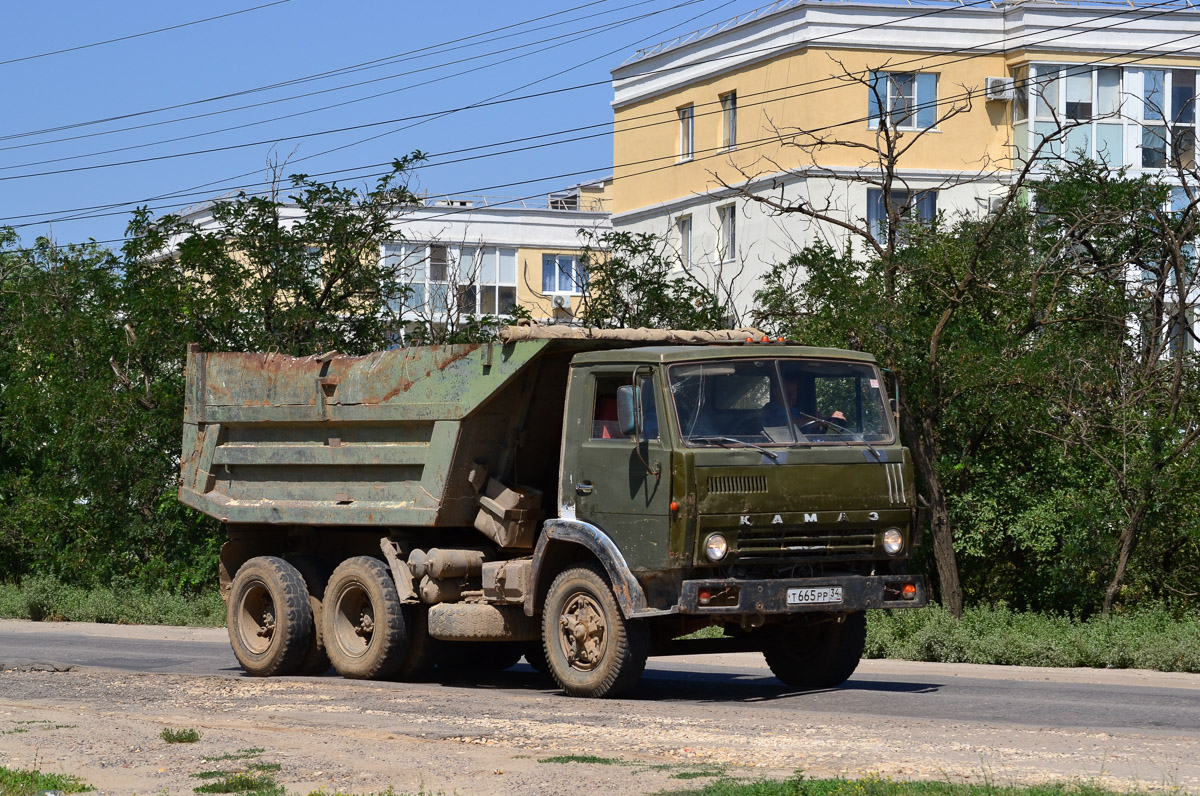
<point>584,488</point>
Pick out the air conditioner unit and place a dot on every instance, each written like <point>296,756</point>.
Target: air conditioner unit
<point>998,88</point>
<point>561,302</point>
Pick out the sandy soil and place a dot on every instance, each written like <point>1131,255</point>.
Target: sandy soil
<point>492,736</point>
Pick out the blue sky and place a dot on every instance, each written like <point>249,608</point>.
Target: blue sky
<point>576,42</point>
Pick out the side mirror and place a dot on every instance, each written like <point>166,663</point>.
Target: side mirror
<point>627,414</point>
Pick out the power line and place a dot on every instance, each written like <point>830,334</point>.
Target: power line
<point>701,154</point>
<point>140,35</point>
<point>375,63</point>
<point>494,97</point>
<point>925,58</point>
<point>579,34</point>
<point>486,103</point>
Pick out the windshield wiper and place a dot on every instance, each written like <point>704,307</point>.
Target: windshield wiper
<point>734,440</point>
<point>841,430</point>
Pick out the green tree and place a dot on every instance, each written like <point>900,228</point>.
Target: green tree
<point>634,280</point>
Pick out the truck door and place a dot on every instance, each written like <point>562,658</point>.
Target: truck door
<point>611,485</point>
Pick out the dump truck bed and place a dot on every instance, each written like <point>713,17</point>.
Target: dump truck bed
<point>395,438</point>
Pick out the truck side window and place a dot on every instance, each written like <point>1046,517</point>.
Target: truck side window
<point>604,411</point>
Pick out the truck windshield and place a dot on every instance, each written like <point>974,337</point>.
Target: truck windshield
<point>779,402</point>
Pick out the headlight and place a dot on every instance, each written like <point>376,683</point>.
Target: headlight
<point>716,547</point>
<point>893,541</point>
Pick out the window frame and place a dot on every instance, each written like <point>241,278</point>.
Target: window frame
<point>728,102</point>
<point>883,90</point>
<point>419,258</point>
<point>687,132</point>
<point>727,233</point>
<point>683,228</point>
<point>576,285</point>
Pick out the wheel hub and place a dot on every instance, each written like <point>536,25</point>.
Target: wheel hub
<point>584,632</point>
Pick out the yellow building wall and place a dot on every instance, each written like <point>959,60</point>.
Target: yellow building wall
<point>529,284</point>
<point>799,90</point>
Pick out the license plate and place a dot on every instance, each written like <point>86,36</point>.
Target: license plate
<point>818,594</point>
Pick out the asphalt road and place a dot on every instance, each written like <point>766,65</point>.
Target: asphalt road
<point>1100,700</point>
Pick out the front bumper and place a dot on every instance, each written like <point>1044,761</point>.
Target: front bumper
<point>859,592</point>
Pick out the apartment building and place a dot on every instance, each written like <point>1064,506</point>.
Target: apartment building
<point>477,255</point>
<point>464,256</point>
<point>717,131</point>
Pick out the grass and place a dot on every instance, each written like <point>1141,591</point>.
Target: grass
<point>877,786</point>
<point>599,761</point>
<point>1150,638</point>
<point>19,782</point>
<point>245,782</point>
<point>46,599</point>
<point>188,735</point>
<point>1143,639</point>
<point>240,754</point>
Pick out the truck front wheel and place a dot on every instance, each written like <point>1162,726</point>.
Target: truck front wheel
<point>268,617</point>
<point>363,622</point>
<point>822,655</point>
<point>592,650</point>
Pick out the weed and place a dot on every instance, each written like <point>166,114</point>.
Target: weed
<point>20,782</point>
<point>599,761</point>
<point>188,735</point>
<point>43,598</point>
<point>240,754</point>
<point>1145,639</point>
<point>877,786</point>
<point>695,774</point>
<point>244,782</point>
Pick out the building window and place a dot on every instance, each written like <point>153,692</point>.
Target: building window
<point>729,120</point>
<point>562,273</point>
<point>687,132</point>
<point>447,280</point>
<point>906,100</point>
<point>1145,118</point>
<point>911,206</point>
<point>684,227</point>
<point>727,233</point>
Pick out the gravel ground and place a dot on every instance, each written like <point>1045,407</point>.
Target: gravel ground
<point>490,735</point>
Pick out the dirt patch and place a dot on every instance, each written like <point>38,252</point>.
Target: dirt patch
<point>488,736</point>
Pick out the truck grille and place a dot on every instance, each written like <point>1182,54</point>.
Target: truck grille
<point>736,484</point>
<point>783,542</point>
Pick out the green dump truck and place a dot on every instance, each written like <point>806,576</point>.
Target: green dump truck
<point>581,498</point>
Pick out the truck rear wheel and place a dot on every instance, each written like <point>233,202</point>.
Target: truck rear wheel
<point>362,620</point>
<point>268,617</point>
<point>591,648</point>
<point>421,651</point>
<point>315,573</point>
<point>823,655</point>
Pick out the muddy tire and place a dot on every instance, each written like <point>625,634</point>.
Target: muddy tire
<point>268,617</point>
<point>315,573</point>
<point>421,653</point>
<point>362,622</point>
<point>823,655</point>
<point>535,656</point>
<point>591,649</point>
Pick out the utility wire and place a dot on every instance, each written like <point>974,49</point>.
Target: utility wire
<point>140,35</point>
<point>743,146</point>
<point>494,97</point>
<point>578,34</point>
<point>376,63</point>
<point>494,101</point>
<point>699,155</point>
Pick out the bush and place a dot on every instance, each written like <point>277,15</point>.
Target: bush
<point>1146,639</point>
<point>43,598</point>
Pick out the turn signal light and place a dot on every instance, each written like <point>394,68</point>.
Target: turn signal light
<point>704,596</point>
<point>674,505</point>
<point>909,591</point>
